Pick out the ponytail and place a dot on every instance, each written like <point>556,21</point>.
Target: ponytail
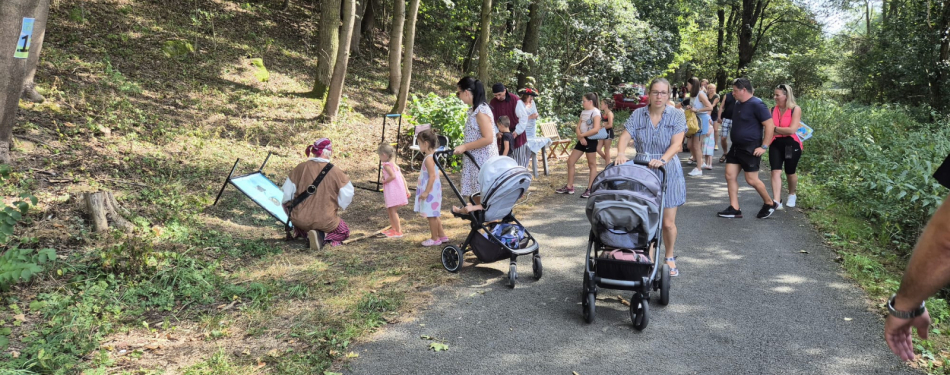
<point>593,97</point>
<point>476,88</point>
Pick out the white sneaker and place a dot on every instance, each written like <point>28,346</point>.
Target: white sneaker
<point>696,172</point>
<point>780,206</point>
<point>790,200</point>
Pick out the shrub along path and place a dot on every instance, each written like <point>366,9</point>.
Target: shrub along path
<point>755,296</point>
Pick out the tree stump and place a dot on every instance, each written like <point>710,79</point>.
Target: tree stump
<point>103,208</point>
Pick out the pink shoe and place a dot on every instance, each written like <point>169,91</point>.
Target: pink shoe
<point>444,239</point>
<point>392,234</point>
<point>431,242</point>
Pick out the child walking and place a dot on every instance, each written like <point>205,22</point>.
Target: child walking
<point>506,141</point>
<point>395,192</point>
<point>709,149</point>
<point>429,189</point>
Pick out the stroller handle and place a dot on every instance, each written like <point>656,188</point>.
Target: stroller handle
<point>646,163</point>
<point>452,152</point>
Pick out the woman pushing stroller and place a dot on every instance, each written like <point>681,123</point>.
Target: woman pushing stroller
<point>657,131</point>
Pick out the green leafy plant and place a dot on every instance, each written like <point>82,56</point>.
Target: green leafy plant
<point>18,264</point>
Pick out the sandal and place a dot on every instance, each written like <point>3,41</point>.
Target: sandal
<point>674,272</point>
<point>722,159</point>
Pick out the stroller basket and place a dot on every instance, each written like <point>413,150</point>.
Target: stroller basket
<point>623,269</point>
<point>487,249</point>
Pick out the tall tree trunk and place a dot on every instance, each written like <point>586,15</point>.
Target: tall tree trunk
<point>721,48</point>
<point>395,45</point>
<point>532,38</point>
<point>15,71</point>
<point>467,63</point>
<point>332,107</point>
<point>942,69</point>
<point>745,36</point>
<point>867,17</point>
<point>510,22</point>
<point>329,45</point>
<point>29,86</point>
<point>358,26</point>
<point>400,106</point>
<point>483,40</point>
<point>369,17</point>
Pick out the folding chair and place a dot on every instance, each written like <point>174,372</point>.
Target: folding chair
<point>549,130</point>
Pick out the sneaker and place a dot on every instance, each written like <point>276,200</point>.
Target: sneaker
<point>565,190</point>
<point>767,210</point>
<point>780,206</point>
<point>707,167</point>
<point>586,194</point>
<point>730,213</point>
<point>315,242</point>
<point>392,234</point>
<point>791,200</point>
<point>430,242</point>
<point>696,172</point>
<point>444,239</point>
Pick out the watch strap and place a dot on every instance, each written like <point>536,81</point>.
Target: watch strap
<point>904,314</point>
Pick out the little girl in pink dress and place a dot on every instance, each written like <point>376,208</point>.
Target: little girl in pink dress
<point>395,191</point>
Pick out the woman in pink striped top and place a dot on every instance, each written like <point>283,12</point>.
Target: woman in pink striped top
<point>786,147</point>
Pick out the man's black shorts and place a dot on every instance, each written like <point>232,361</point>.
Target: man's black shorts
<point>743,155</point>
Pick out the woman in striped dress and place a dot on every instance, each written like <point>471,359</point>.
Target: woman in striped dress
<point>657,131</point>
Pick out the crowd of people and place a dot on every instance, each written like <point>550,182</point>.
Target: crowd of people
<point>740,124</point>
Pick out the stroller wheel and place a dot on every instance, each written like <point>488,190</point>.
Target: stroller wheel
<point>588,300</point>
<point>536,267</point>
<point>452,258</point>
<point>640,314</point>
<point>665,285</point>
<point>512,275</point>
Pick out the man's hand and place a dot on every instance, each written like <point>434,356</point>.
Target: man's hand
<point>898,335</point>
<point>759,151</point>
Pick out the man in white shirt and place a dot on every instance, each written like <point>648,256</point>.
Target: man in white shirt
<point>318,215</point>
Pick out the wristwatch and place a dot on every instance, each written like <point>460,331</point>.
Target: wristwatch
<point>904,314</point>
<point>765,147</point>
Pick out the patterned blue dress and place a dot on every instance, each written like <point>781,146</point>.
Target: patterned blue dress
<point>652,142</point>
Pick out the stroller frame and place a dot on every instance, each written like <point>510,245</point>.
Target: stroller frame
<point>647,277</point>
<point>453,256</point>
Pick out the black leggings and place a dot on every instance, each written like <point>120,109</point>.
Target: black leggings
<point>785,150</point>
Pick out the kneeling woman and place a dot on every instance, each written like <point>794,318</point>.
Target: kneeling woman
<point>657,131</point>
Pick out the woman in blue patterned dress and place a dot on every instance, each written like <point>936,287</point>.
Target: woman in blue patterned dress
<point>657,131</point>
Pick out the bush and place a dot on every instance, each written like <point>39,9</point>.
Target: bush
<point>880,157</point>
<point>446,115</point>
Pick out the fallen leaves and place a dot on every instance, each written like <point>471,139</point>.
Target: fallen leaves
<point>438,347</point>
<point>623,301</point>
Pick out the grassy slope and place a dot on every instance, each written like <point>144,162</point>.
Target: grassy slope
<point>196,288</point>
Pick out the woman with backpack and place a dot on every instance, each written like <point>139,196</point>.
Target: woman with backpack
<point>786,147</point>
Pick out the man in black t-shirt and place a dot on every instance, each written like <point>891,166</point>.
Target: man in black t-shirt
<point>725,123</point>
<point>752,132</point>
<point>927,272</point>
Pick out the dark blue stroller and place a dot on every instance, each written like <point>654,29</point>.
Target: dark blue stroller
<point>625,210</point>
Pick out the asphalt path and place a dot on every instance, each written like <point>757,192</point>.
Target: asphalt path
<point>754,297</point>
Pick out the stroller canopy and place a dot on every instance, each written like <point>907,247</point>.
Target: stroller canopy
<point>502,181</point>
<point>624,206</point>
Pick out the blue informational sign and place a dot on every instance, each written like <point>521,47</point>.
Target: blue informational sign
<point>26,38</point>
<point>262,191</point>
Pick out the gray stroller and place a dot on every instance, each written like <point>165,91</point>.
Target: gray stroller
<point>495,233</point>
<point>625,210</point>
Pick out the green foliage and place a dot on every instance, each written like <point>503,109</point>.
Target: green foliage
<point>177,49</point>
<point>18,264</point>
<point>875,155</point>
<point>899,59</point>
<point>446,115</point>
<point>260,71</point>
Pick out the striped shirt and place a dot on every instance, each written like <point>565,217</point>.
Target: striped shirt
<point>651,142</point>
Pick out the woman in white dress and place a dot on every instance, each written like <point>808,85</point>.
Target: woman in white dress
<point>479,134</point>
